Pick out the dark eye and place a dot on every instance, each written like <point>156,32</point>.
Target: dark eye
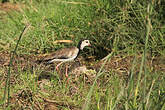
<point>87,42</point>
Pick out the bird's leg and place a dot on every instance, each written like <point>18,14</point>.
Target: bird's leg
<point>66,74</point>
<point>58,66</point>
<point>66,71</point>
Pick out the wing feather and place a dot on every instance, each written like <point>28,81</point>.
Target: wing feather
<point>64,53</point>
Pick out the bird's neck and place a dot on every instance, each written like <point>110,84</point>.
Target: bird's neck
<point>78,53</point>
<point>80,46</point>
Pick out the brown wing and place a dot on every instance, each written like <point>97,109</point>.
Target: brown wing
<point>64,53</point>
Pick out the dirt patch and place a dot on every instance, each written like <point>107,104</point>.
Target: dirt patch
<point>117,65</point>
<point>120,64</point>
<point>24,98</point>
<point>10,6</point>
<point>123,64</point>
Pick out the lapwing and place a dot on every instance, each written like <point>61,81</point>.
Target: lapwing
<point>66,54</point>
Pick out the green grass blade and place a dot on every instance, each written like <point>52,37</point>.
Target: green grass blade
<point>7,85</point>
<point>143,59</point>
<point>89,95</point>
<point>149,94</point>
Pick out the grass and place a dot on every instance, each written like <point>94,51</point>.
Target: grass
<point>128,34</point>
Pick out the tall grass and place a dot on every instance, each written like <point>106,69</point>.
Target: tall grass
<point>115,28</point>
<point>88,98</point>
<point>146,93</point>
<point>100,21</point>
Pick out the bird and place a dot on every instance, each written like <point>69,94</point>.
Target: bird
<point>66,54</point>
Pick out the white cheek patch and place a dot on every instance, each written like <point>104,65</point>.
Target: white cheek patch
<point>84,44</point>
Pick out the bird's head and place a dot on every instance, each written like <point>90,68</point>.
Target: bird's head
<point>84,43</point>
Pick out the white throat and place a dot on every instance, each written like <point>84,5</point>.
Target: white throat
<point>81,47</point>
